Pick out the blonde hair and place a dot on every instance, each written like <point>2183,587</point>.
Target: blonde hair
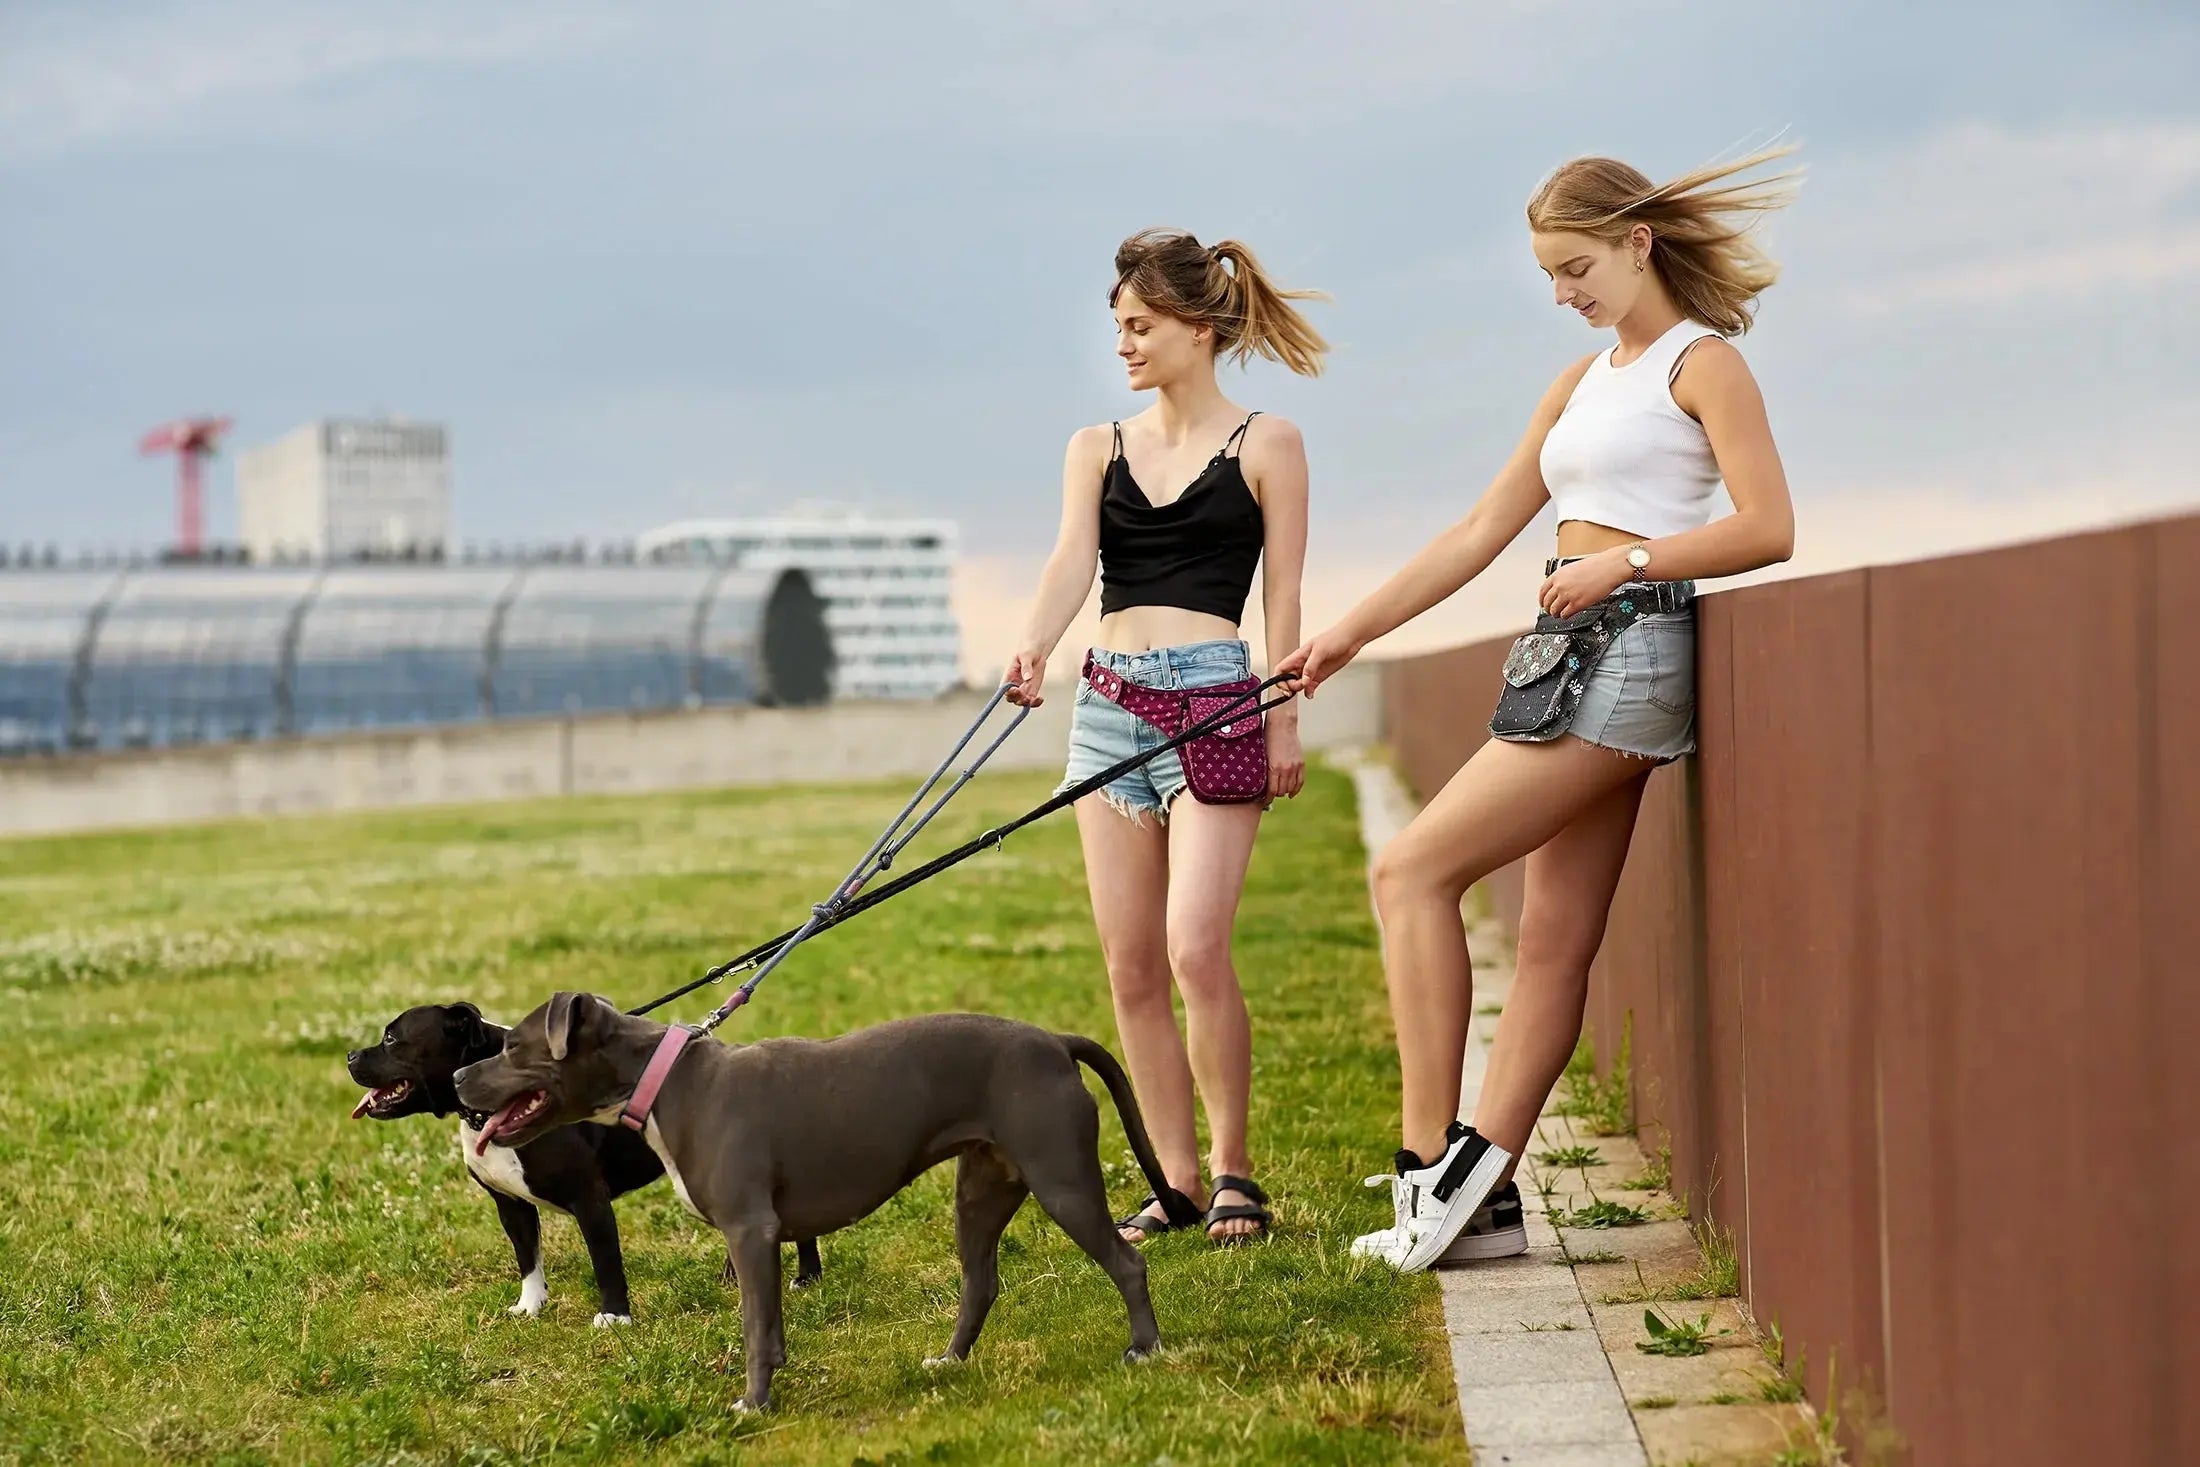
<point>1699,226</point>
<point>1220,286</point>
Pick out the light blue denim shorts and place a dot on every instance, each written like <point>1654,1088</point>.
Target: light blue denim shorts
<point>1103,734</point>
<point>1641,697</point>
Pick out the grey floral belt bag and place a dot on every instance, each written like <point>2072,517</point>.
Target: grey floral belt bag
<point>1547,669</point>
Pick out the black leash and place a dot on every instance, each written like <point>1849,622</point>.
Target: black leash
<point>849,899</point>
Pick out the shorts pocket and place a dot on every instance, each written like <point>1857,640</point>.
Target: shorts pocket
<point>1671,646</point>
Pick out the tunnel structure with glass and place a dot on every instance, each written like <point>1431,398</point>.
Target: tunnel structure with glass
<point>154,657</point>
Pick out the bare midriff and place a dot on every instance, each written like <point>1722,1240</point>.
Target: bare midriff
<point>1143,628</point>
<point>1587,537</point>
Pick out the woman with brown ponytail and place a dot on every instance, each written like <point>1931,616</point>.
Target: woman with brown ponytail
<point>1627,445</point>
<point>1176,507</point>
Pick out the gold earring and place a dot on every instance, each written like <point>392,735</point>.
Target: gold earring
<point>1638,264</point>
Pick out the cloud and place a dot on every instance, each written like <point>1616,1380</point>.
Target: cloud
<point>1979,216</point>
<point>64,85</point>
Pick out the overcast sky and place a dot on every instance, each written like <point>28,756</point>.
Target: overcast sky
<point>650,261</point>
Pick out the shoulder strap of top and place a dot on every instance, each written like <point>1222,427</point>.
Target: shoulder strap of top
<point>1680,343</point>
<point>1236,440</point>
<point>1118,453</point>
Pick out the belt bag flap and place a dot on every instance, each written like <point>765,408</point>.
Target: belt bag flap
<point>1203,706</point>
<point>1228,765</point>
<point>1534,655</point>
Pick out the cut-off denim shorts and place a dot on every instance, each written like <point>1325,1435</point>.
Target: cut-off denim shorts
<point>1641,697</point>
<point>1103,734</point>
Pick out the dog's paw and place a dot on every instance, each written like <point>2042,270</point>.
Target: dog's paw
<point>534,1292</point>
<point>605,1321</point>
<point>1135,1355</point>
<point>743,1408</point>
<point>940,1362</point>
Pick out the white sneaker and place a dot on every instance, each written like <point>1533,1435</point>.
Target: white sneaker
<point>1497,1229</point>
<point>1433,1205</point>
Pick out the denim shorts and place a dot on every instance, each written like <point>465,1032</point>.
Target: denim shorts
<point>1641,697</point>
<point>1103,734</point>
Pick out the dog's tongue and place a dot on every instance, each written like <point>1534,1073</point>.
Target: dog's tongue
<point>496,1124</point>
<point>364,1101</point>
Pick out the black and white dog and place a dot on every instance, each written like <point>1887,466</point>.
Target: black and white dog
<point>576,1169</point>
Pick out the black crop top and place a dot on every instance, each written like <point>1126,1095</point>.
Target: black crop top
<point>1197,552</point>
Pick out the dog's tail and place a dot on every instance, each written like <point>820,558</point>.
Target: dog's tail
<point>1092,1053</point>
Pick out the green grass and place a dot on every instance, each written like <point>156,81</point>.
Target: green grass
<point>1579,1157</point>
<point>1601,1213</point>
<point>1607,1104</point>
<point>1677,1337</point>
<point>202,1258</point>
<point>1657,1177</point>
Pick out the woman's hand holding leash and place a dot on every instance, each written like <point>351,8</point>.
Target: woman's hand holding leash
<point>1026,671</point>
<point>1584,583</point>
<point>1316,661</point>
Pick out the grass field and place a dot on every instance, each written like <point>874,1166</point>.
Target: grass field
<point>203,1259</point>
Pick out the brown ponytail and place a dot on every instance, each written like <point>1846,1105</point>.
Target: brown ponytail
<point>1224,288</point>
<point>1699,226</point>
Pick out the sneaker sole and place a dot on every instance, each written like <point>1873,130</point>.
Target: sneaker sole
<point>1507,1244</point>
<point>1460,1210</point>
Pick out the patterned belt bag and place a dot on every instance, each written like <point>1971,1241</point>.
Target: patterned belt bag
<point>1547,669</point>
<point>1227,766</point>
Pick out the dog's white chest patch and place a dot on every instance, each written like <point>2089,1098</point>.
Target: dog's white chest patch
<point>498,1167</point>
<point>656,1141</point>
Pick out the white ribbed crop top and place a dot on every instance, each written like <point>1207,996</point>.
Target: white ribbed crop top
<point>1622,452</point>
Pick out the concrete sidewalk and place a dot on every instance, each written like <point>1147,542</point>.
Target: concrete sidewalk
<point>1542,1346</point>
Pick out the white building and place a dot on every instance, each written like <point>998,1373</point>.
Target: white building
<point>344,488</point>
<point>885,584</point>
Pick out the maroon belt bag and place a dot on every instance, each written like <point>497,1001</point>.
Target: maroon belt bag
<point>1228,765</point>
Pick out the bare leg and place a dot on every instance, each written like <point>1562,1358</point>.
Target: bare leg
<point>1127,871</point>
<point>1507,801</point>
<point>1210,847</point>
<point>1571,879</point>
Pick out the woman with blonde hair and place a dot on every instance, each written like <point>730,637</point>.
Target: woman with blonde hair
<point>1628,445</point>
<point>1177,506</point>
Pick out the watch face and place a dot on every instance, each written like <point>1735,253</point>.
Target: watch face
<point>1638,557</point>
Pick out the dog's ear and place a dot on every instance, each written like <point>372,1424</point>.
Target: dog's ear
<point>568,1012</point>
<point>464,1021</point>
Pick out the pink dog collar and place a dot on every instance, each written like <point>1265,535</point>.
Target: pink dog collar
<point>635,1113</point>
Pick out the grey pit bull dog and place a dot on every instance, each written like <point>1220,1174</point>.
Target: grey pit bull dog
<point>795,1138</point>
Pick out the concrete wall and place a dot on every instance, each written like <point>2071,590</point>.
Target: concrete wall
<point>1907,952</point>
<point>530,759</point>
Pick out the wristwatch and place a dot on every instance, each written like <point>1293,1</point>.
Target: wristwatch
<point>1638,557</point>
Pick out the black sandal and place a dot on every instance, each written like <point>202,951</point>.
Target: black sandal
<point>1178,1211</point>
<point>1257,1210</point>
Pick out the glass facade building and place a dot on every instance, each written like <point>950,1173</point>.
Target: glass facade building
<point>196,654</point>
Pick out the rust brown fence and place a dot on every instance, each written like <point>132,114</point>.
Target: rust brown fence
<point>1909,953</point>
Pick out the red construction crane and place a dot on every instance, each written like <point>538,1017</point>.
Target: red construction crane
<point>190,440</point>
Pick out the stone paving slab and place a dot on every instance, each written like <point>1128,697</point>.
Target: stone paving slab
<point>1718,1436</point>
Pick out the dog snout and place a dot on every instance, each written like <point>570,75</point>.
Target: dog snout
<point>463,1080</point>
